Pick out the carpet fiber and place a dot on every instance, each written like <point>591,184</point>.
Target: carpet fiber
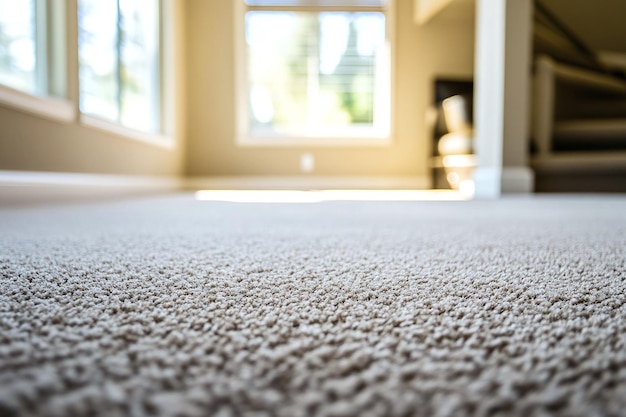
<point>174,307</point>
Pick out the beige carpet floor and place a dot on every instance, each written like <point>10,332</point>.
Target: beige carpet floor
<point>173,307</point>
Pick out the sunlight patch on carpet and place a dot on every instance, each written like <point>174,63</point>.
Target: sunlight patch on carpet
<point>318,196</point>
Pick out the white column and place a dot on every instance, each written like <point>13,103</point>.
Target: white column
<point>502,92</point>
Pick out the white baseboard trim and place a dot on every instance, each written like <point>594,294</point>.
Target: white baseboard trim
<point>63,179</point>
<point>28,187</point>
<point>518,180</point>
<point>492,182</point>
<point>305,182</point>
<point>32,178</point>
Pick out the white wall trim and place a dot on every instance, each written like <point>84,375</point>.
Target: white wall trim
<point>154,139</point>
<point>492,182</point>
<point>28,187</point>
<point>31,178</point>
<point>502,76</point>
<point>306,182</point>
<point>249,141</point>
<point>518,180</point>
<point>68,179</point>
<point>487,181</point>
<point>48,107</point>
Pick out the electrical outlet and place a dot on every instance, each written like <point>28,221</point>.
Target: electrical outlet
<point>307,163</point>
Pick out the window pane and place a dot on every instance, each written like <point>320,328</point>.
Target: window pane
<point>99,88</point>
<point>140,63</point>
<point>17,45</point>
<point>119,61</point>
<point>313,73</point>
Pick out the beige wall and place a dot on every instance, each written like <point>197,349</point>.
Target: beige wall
<point>32,143</point>
<point>206,117</point>
<point>442,48</point>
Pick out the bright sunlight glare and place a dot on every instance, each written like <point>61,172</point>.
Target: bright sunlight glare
<point>318,196</point>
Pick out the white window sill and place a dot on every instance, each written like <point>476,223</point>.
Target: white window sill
<point>154,139</point>
<point>288,142</point>
<point>48,107</point>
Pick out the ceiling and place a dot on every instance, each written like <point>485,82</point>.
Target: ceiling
<point>599,23</point>
<point>459,9</point>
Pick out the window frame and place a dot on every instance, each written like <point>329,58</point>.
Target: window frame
<point>60,100</point>
<point>164,136</point>
<point>245,138</point>
<point>50,98</point>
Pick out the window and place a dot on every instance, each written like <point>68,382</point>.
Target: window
<point>119,55</point>
<point>17,45</point>
<point>32,46</point>
<point>120,61</point>
<point>314,69</point>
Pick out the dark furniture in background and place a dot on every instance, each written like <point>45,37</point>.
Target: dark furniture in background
<point>445,88</point>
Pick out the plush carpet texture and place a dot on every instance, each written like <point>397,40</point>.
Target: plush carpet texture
<point>174,307</point>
